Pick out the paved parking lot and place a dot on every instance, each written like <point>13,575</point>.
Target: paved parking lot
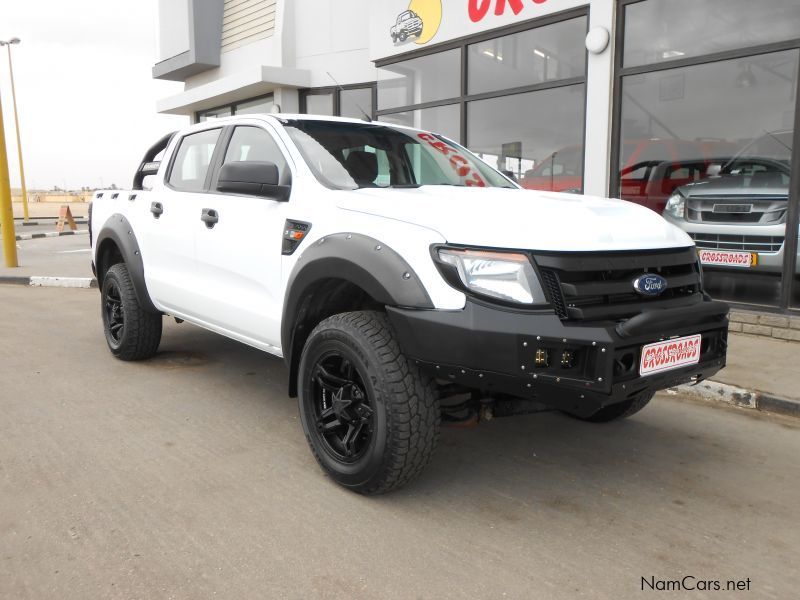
<point>66,256</point>
<point>189,477</point>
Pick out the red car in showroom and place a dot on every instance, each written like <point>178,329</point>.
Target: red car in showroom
<point>653,168</point>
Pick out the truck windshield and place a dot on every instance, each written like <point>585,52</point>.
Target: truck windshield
<point>352,155</point>
<point>771,152</point>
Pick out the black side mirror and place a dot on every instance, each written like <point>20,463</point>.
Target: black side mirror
<point>254,178</point>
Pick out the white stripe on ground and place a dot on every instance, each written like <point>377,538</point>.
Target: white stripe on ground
<point>64,282</point>
<point>74,251</point>
<point>49,234</point>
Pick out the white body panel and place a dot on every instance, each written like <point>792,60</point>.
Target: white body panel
<point>232,279</point>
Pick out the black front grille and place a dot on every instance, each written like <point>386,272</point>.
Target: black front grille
<point>711,217</point>
<point>599,286</point>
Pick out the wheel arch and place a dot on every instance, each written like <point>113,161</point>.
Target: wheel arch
<point>116,243</point>
<point>341,273</point>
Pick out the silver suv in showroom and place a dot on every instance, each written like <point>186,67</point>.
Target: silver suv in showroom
<point>737,215</point>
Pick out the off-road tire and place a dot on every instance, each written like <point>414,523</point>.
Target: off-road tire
<point>403,36</point>
<point>405,420</point>
<point>140,334</point>
<point>620,410</point>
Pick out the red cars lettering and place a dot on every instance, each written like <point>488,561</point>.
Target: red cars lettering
<point>458,163</point>
<point>479,8</point>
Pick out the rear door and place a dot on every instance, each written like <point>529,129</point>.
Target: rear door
<point>239,257</point>
<point>171,219</point>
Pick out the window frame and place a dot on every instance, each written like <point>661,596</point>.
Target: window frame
<point>335,91</point>
<point>232,106</point>
<point>218,160</point>
<point>211,163</point>
<point>784,301</point>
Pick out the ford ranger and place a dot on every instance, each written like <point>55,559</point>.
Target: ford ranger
<point>403,281</point>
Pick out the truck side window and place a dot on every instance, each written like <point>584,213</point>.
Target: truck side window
<point>192,160</point>
<point>256,145</point>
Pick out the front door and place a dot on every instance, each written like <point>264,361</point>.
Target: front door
<point>239,248</point>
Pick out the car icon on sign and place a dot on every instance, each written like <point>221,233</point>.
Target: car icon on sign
<point>408,24</point>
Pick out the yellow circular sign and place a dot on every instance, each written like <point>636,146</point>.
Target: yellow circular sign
<point>430,12</point>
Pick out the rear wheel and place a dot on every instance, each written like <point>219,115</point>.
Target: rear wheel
<point>370,416</point>
<point>621,410</point>
<point>131,332</point>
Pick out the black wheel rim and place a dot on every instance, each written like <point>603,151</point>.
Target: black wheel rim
<point>342,410</point>
<point>115,316</point>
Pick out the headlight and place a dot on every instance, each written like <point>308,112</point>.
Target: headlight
<point>506,276</point>
<point>676,206</point>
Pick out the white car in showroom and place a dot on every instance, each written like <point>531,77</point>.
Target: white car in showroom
<point>737,217</point>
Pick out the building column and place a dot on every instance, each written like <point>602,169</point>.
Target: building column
<point>599,103</point>
<point>288,99</point>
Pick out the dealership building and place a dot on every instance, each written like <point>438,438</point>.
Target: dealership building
<point>685,106</point>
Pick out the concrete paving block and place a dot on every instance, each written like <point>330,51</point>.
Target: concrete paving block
<point>773,321</point>
<point>756,329</point>
<point>735,327</point>
<point>787,334</point>
<point>744,317</point>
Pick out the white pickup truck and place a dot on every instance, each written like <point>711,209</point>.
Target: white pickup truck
<point>403,281</point>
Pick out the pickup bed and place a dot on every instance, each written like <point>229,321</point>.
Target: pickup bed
<point>403,281</point>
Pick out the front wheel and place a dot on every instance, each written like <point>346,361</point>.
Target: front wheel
<point>370,416</point>
<point>131,332</point>
<point>403,36</point>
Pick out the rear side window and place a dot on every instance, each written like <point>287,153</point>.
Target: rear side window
<point>253,144</point>
<point>191,164</point>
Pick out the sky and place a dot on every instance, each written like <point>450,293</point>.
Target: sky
<point>85,93</point>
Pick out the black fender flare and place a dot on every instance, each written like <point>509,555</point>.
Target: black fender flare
<point>359,259</point>
<point>118,230</point>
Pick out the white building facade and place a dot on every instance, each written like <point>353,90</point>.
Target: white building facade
<point>627,98</point>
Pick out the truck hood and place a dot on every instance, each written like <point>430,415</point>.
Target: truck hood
<point>731,186</point>
<point>521,219</point>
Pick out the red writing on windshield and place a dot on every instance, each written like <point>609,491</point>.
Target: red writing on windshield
<point>458,163</point>
<point>478,8</point>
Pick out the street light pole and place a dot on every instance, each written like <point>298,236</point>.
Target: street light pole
<point>6,213</point>
<point>16,124</point>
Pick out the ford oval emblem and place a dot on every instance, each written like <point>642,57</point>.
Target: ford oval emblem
<point>650,284</point>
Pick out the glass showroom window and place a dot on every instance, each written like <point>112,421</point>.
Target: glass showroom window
<point>441,119</point>
<point>708,143</point>
<point>262,104</point>
<point>319,104</point>
<point>530,57</point>
<point>537,137</point>
<point>661,30</point>
<point>420,80</point>
<point>520,107</point>
<point>353,101</point>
